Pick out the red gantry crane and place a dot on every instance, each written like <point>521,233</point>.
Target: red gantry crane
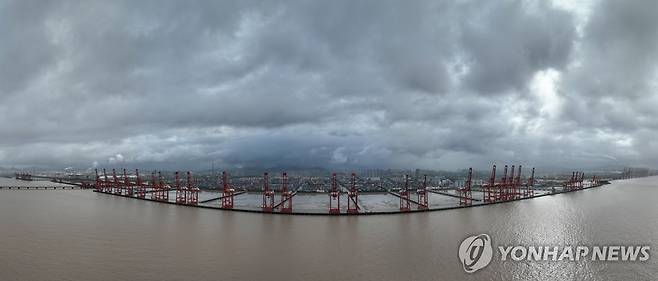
<point>465,194</point>
<point>181,192</point>
<point>286,195</point>
<point>107,187</point>
<point>509,186</point>
<point>127,184</point>
<point>421,193</point>
<point>162,193</point>
<point>154,186</point>
<point>490,188</point>
<point>192,191</point>
<point>227,192</point>
<point>516,193</point>
<point>141,188</point>
<point>529,190</point>
<point>593,180</point>
<point>353,197</point>
<point>404,196</point>
<point>116,183</point>
<point>334,196</point>
<point>572,182</point>
<point>98,185</point>
<point>502,185</point>
<point>268,195</point>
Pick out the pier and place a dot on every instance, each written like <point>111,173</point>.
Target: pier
<point>508,188</point>
<point>62,187</point>
<point>343,198</point>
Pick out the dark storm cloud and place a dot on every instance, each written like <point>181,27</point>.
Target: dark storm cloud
<point>611,89</point>
<point>24,47</point>
<point>430,84</point>
<point>506,44</point>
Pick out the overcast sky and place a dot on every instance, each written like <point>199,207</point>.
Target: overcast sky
<point>352,84</point>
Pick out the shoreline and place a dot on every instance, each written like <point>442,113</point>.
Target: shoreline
<point>352,214</point>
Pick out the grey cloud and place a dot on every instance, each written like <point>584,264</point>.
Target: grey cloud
<point>611,87</point>
<point>506,44</point>
<point>25,51</point>
<point>340,84</point>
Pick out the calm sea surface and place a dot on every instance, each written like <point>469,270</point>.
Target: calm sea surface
<point>81,235</point>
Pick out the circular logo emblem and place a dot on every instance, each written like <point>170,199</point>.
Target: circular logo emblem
<point>475,252</point>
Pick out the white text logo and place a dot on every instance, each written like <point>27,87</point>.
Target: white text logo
<point>475,252</point>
